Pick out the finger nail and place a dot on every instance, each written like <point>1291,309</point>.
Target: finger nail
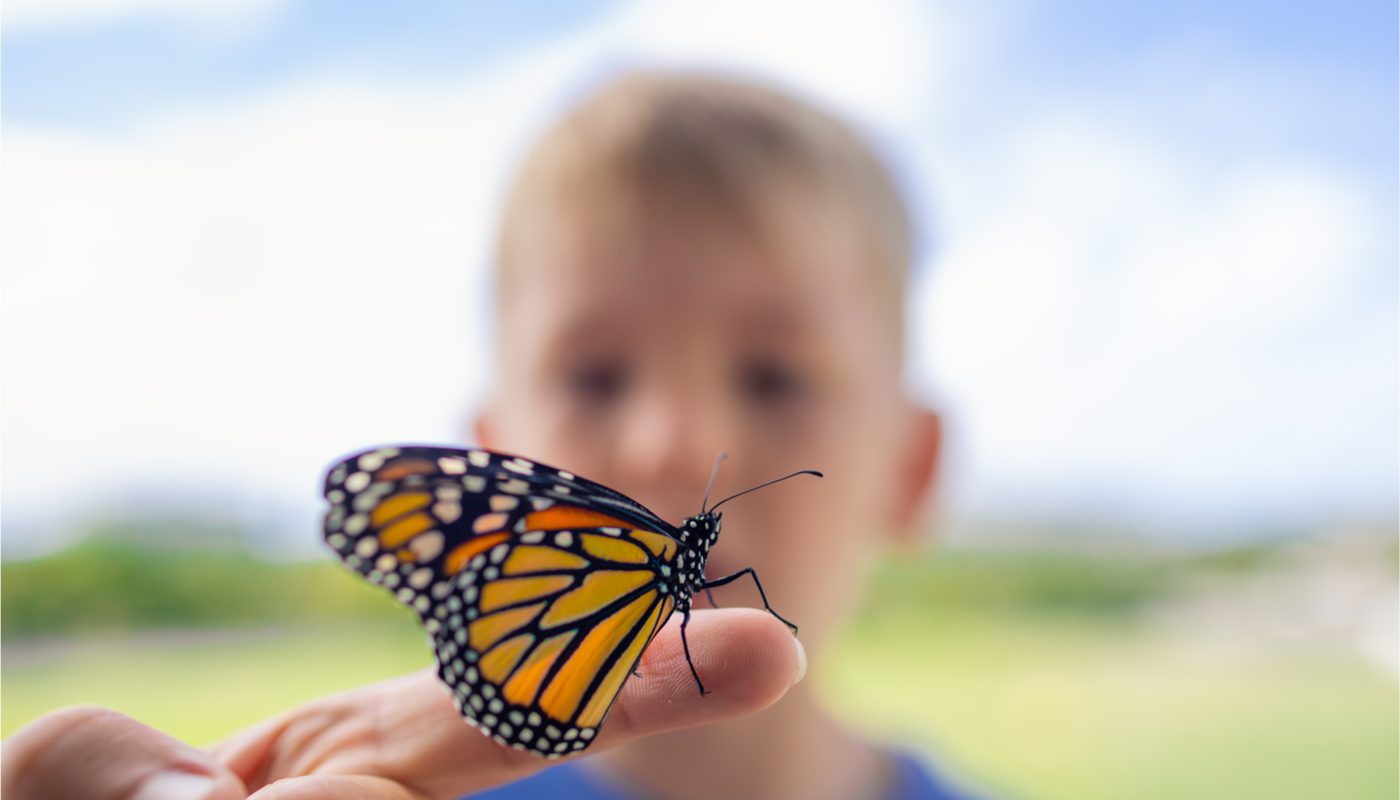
<point>801,661</point>
<point>175,785</point>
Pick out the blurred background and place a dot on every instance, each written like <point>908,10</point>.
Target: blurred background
<point>1157,301</point>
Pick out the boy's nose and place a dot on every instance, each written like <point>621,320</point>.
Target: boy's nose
<point>667,448</point>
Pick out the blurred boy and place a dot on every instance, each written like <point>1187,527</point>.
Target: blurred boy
<point>687,265</point>
<point>690,265</point>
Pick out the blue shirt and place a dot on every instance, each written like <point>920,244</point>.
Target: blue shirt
<point>913,781</point>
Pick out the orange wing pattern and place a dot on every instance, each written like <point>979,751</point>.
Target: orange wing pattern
<point>540,590</point>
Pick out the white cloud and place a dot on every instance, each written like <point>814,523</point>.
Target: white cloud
<point>230,294</point>
<point>230,298</point>
<point>1118,320</point>
<point>869,58</point>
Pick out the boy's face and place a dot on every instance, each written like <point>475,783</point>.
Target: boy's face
<point>636,347</point>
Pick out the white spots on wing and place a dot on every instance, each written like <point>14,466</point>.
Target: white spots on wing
<point>449,511</point>
<point>533,537</point>
<point>489,522</point>
<point>357,482</point>
<point>564,539</point>
<point>420,578</point>
<point>386,562</point>
<point>474,483</point>
<point>513,486</point>
<point>452,466</point>
<point>356,524</point>
<point>479,458</point>
<point>426,546</point>
<point>503,502</point>
<point>541,503</point>
<point>519,466</point>
<point>369,462</point>
<point>366,547</point>
<point>498,553</point>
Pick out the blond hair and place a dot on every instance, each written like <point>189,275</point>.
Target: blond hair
<point>725,146</point>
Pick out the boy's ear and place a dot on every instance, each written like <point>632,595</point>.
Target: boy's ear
<point>918,474</point>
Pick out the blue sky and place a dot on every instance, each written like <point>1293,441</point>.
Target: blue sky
<point>1161,286</point>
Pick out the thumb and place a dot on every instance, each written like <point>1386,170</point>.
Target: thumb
<point>95,753</point>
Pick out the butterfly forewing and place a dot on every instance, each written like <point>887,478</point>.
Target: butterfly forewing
<point>539,589</point>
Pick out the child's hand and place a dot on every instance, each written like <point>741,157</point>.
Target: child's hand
<point>399,739</point>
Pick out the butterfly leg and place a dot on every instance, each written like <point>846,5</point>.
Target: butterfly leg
<point>685,645</point>
<point>711,595</point>
<point>749,572</point>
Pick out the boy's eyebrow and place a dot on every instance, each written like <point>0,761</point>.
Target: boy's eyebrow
<point>584,329</point>
<point>781,318</point>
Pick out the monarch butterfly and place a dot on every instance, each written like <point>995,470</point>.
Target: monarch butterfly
<point>539,589</point>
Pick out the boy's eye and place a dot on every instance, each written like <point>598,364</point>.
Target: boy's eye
<point>767,381</point>
<point>597,383</point>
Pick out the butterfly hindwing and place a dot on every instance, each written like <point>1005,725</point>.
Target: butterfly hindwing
<point>539,589</point>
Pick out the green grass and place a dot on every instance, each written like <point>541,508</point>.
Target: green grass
<point>1029,706</point>
<point>203,691</point>
<point>1085,709</point>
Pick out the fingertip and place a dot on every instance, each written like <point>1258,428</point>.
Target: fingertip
<point>746,659</point>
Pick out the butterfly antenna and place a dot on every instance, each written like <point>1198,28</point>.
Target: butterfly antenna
<point>714,472</point>
<point>766,483</point>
